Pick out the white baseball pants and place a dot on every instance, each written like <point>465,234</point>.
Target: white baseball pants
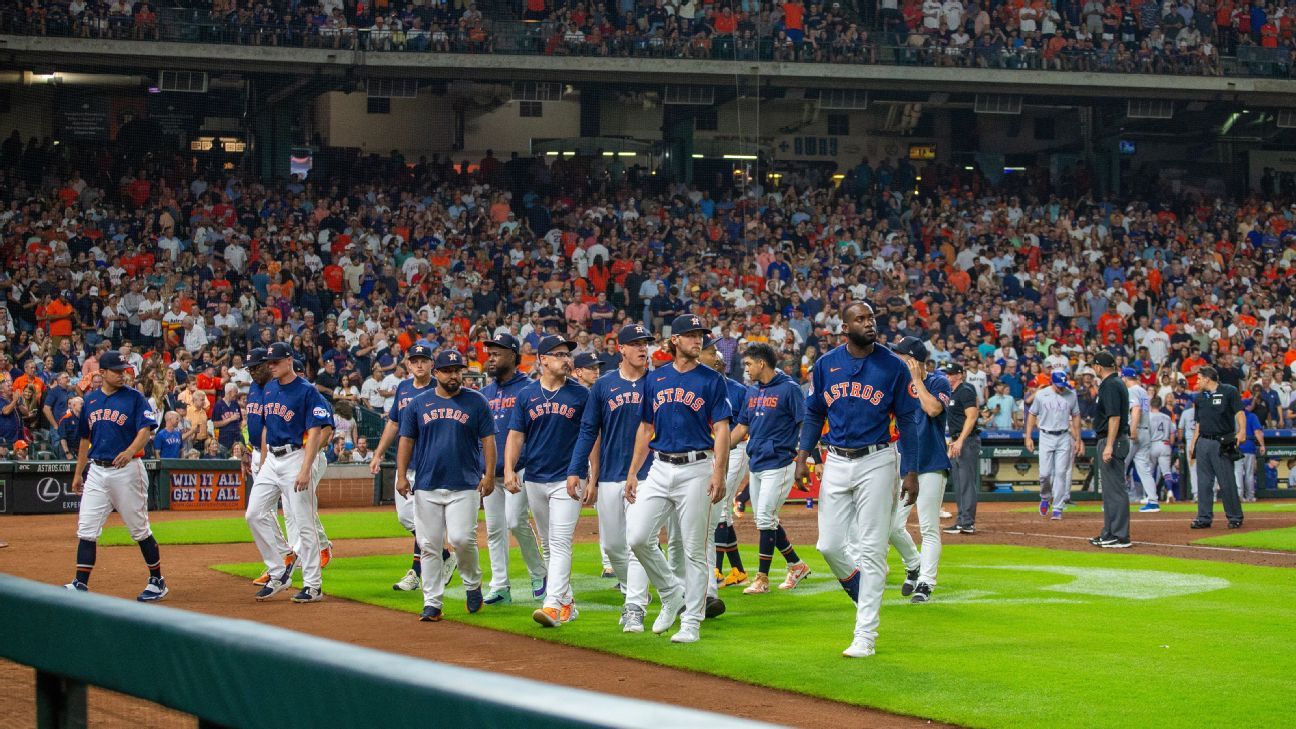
<point>856,509</point>
<point>681,491</point>
<point>931,489</point>
<point>555,515</point>
<point>769,490</point>
<point>279,475</point>
<point>1244,473</point>
<point>260,516</point>
<point>1141,455</point>
<point>722,513</point>
<point>442,515</point>
<point>290,523</point>
<point>1160,455</point>
<point>508,513</point>
<point>104,489</point>
<point>612,507</point>
<point>1056,457</point>
<point>405,505</point>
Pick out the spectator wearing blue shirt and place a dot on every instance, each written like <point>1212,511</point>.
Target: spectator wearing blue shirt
<point>169,442</point>
<point>69,430</point>
<point>56,400</point>
<point>1244,471</point>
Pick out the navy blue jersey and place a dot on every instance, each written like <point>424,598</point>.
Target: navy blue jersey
<point>448,434</point>
<point>406,391</point>
<point>255,419</point>
<point>613,411</point>
<point>111,422</point>
<point>502,397</point>
<point>682,406</point>
<point>773,415</point>
<point>932,453</point>
<point>169,443</point>
<point>551,423</point>
<point>292,409</point>
<point>858,398</point>
<point>737,395</point>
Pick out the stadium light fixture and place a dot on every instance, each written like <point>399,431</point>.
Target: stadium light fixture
<point>627,154</point>
<point>697,156</point>
<point>740,156</point>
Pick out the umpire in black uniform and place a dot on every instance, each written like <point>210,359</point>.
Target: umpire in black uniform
<point>1111,423</point>
<point>964,450</point>
<point>1221,428</point>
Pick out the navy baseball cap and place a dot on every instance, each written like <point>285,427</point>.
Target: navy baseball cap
<point>586,360</point>
<point>447,358</point>
<point>708,339</point>
<point>1105,359</point>
<point>112,360</point>
<point>631,333</point>
<point>953,368</point>
<point>278,351</point>
<point>687,323</point>
<point>255,357</point>
<point>552,342</point>
<point>504,340</point>
<point>1128,372</point>
<point>299,365</point>
<point>913,347</point>
<point>420,349</point>
<point>1060,379</point>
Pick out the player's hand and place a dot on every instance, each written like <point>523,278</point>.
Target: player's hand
<point>1079,448</point>
<point>77,483</point>
<point>303,481</point>
<point>909,489</point>
<point>717,490</point>
<point>573,487</point>
<point>123,458</point>
<point>487,485</point>
<point>1241,438</point>
<point>632,485</point>
<point>375,465</point>
<point>802,471</point>
<point>512,483</point>
<point>1107,453</point>
<point>955,448</point>
<point>916,369</point>
<point>1029,444</point>
<point>403,486</point>
<point>1262,450</point>
<point>591,493</point>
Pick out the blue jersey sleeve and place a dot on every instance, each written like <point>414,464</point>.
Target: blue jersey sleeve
<point>84,428</point>
<point>815,410</point>
<point>796,403</point>
<point>591,423</point>
<point>939,387</point>
<point>321,413</point>
<point>720,409</point>
<point>743,417</point>
<point>394,413</point>
<point>409,423</point>
<point>518,420</point>
<point>904,406</point>
<point>485,421</point>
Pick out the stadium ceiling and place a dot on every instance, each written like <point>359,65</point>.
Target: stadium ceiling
<point>17,52</point>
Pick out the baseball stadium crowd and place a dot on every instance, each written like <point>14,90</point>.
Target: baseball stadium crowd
<point>184,272</point>
<point>1129,36</point>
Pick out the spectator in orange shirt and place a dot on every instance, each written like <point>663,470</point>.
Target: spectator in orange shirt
<point>29,377</point>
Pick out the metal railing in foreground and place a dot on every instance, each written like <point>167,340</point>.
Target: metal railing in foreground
<point>236,673</point>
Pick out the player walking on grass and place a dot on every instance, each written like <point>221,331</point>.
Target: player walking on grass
<point>116,422</point>
<point>507,512</point>
<point>724,539</point>
<point>545,424</point>
<point>447,440</point>
<point>773,413</point>
<point>686,424</point>
<point>858,388</point>
<point>1056,410</point>
<point>585,370</point>
<point>297,421</point>
<point>418,361</point>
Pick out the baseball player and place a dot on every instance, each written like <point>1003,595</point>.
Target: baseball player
<point>326,546</point>
<point>1163,433</point>
<point>447,435</point>
<point>686,424</point>
<point>296,421</point>
<point>545,424</point>
<point>1056,411</point>
<point>724,538</point>
<point>116,422</point>
<point>934,394</point>
<point>1141,439</point>
<point>506,512</point>
<point>1187,434</point>
<point>1244,469</point>
<point>418,361</point>
<point>858,388</point>
<point>773,413</point>
<point>585,369</point>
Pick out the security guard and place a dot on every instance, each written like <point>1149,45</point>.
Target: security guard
<point>1111,423</point>
<point>1221,428</point>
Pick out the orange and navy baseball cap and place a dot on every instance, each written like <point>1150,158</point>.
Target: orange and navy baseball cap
<point>551,343</point>
<point>420,349</point>
<point>631,333</point>
<point>504,340</point>
<point>278,351</point>
<point>687,323</point>
<point>586,360</point>
<point>447,359</point>
<point>112,360</point>
<point>255,357</point>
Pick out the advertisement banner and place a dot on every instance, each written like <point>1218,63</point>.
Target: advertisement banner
<point>206,490</point>
<point>43,488</point>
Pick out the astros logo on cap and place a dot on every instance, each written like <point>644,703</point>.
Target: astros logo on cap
<point>452,356</point>
<point>697,322</point>
<point>639,329</point>
<point>499,337</point>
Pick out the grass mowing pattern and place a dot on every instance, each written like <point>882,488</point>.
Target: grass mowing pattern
<point>233,530</point>
<point>1014,637</point>
<point>1278,539</point>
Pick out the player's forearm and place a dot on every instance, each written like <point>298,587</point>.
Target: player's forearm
<point>1240,420</point>
<point>1136,415</point>
<point>584,452</point>
<point>810,432</point>
<point>385,440</point>
<point>513,451</point>
<point>595,459</point>
<point>404,452</point>
<point>969,422</point>
<point>720,434</point>
<point>908,428</point>
<point>488,457</point>
<point>930,403</point>
<point>1075,427</point>
<point>1030,424</point>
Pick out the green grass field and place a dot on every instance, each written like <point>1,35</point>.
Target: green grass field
<point>1279,539</point>
<point>1014,637</point>
<point>233,530</point>
<point>1179,507</point>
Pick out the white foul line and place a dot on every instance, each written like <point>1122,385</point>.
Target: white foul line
<point>1159,544</point>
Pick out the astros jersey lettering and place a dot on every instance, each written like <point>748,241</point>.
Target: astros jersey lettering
<point>773,415</point>
<point>502,397</point>
<point>613,411</point>
<point>857,397</point>
<point>932,453</point>
<point>682,406</point>
<point>551,422</point>
<point>292,409</point>
<point>111,422</point>
<point>448,432</point>
<point>255,421</point>
<point>406,392</point>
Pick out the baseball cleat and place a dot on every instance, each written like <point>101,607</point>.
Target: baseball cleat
<point>273,587</point>
<point>474,600</point>
<point>290,561</point>
<point>1150,506</point>
<point>946,515</point>
<point>430,614</point>
<point>155,590</point>
<point>719,579</point>
<point>409,583</point>
<point>632,619</point>
<point>547,617</point>
<point>568,612</point>
<point>448,567</point>
<point>686,634</point>
<point>308,594</point>
<point>326,556</point>
<point>735,577</point>
<point>608,573</point>
<point>1057,515</point>
<point>78,586</point>
<point>1098,539</point>
<point>1116,544</point>
<point>859,648</point>
<point>795,574</point>
<point>263,579</point>
<point>715,607</point>
<point>911,579</point>
<point>538,585</point>
<point>955,529</point>
<point>1044,507</point>
<point>671,607</point>
<point>1199,524</point>
<point>502,596</point>
<point>1235,524</point>
<point>759,585</point>
<point>921,593</point>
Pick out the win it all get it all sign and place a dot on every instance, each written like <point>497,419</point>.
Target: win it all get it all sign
<point>206,490</point>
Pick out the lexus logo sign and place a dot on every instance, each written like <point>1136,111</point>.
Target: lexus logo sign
<point>49,489</point>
